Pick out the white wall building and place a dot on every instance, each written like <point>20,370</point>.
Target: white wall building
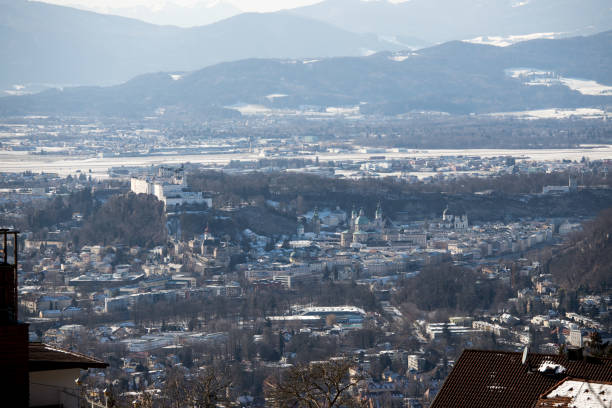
<point>171,193</point>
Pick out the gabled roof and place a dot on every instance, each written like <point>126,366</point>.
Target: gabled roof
<point>486,379</point>
<point>573,392</point>
<point>44,357</point>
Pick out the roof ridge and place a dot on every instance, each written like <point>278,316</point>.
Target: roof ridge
<point>554,387</point>
<point>75,353</point>
<point>530,353</point>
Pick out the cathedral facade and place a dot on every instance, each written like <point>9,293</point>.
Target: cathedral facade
<point>361,228</point>
<point>457,222</point>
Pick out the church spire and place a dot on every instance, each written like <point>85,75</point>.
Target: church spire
<point>316,221</point>
<point>379,212</point>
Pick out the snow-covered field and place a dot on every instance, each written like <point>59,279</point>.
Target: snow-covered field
<point>272,97</point>
<point>508,40</point>
<point>343,111</point>
<point>63,164</point>
<point>539,77</point>
<point>582,113</point>
<point>254,109</point>
<point>251,109</point>
<point>587,87</point>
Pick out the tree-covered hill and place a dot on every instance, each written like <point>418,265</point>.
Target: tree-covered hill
<point>127,219</point>
<point>454,77</point>
<point>585,261</point>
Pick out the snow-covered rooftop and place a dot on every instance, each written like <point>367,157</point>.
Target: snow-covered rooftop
<point>583,394</point>
<point>550,366</point>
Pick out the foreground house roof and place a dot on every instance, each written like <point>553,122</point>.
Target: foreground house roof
<point>571,393</point>
<point>44,357</point>
<point>485,379</point>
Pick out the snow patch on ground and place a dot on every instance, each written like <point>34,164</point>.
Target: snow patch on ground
<point>251,109</point>
<point>538,77</point>
<point>400,57</point>
<point>254,109</point>
<point>521,3</point>
<point>176,77</point>
<point>522,73</point>
<point>310,61</point>
<point>16,90</point>
<point>587,87</point>
<point>506,41</point>
<point>553,113</point>
<point>352,110</point>
<point>272,97</point>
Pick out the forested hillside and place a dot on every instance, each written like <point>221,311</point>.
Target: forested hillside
<point>127,219</point>
<point>585,262</point>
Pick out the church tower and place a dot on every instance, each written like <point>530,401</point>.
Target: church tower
<point>316,222</point>
<point>379,217</point>
<point>353,218</point>
<point>207,235</point>
<point>572,184</point>
<point>445,215</point>
<point>300,227</point>
<point>362,223</point>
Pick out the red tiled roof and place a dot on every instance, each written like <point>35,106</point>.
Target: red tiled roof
<point>44,357</point>
<point>496,379</point>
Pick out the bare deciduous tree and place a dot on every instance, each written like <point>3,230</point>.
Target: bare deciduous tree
<point>208,389</point>
<point>315,385</point>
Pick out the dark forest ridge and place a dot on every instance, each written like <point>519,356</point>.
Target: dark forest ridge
<point>455,77</point>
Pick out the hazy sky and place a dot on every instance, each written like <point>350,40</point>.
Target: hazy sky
<point>245,5</point>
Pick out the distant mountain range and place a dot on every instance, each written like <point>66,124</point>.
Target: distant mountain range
<point>455,77</point>
<point>167,13</point>
<point>435,21</point>
<point>47,44</point>
<point>431,20</point>
<point>44,45</point>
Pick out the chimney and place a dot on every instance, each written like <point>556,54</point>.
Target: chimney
<point>14,339</point>
<point>574,353</point>
<point>8,278</point>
